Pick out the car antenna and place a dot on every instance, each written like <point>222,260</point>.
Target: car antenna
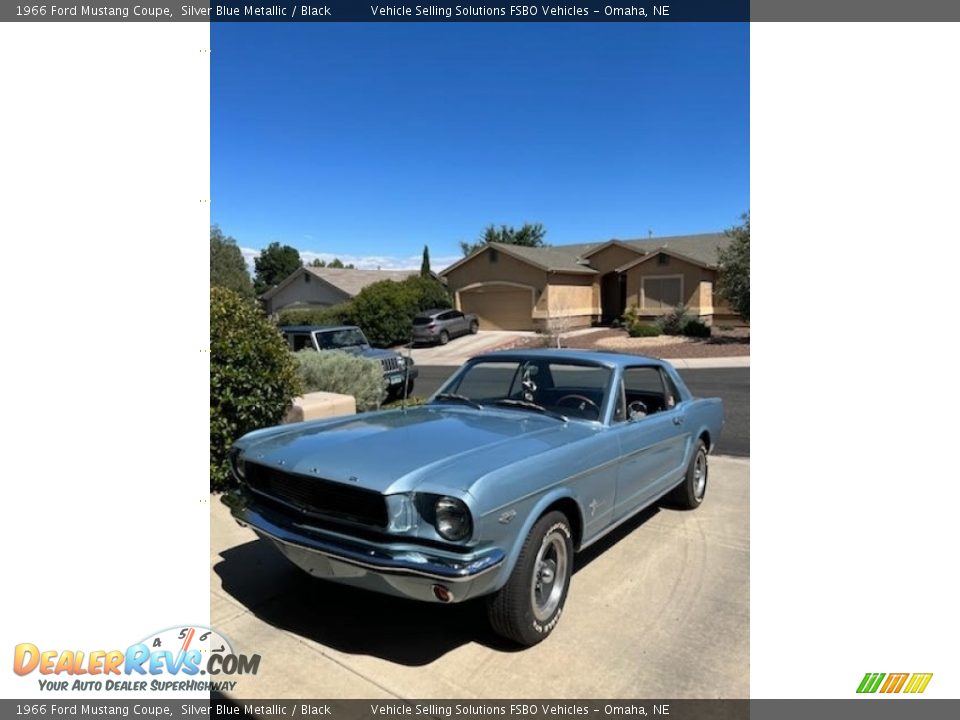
<point>406,374</point>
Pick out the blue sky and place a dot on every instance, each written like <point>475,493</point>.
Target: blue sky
<point>367,141</point>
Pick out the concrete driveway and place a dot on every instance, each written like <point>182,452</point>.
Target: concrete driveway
<point>459,350</point>
<point>658,609</point>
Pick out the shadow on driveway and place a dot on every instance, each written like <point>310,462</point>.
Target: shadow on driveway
<point>358,622</point>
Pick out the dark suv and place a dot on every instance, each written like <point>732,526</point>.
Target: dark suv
<point>351,339</point>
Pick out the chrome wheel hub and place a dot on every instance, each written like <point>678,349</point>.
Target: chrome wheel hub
<point>549,576</point>
<point>700,476</point>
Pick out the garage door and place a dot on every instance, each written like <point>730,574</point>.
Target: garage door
<point>499,308</point>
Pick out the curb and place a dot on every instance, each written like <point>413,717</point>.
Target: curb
<point>737,361</point>
<point>680,363</point>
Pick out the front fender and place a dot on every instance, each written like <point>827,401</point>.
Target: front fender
<point>520,532</point>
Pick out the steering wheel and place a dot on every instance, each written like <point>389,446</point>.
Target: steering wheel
<point>637,407</point>
<point>584,402</point>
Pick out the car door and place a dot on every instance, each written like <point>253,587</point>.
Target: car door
<point>652,443</point>
<point>458,322</point>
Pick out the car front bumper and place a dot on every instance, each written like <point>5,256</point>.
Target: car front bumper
<point>400,569</point>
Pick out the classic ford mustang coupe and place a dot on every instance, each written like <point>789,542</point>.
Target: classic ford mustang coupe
<point>520,460</point>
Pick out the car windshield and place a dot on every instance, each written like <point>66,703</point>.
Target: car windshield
<point>536,384</point>
<point>335,339</point>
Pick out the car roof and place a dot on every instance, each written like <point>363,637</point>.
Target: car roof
<point>435,311</point>
<point>609,359</point>
<point>311,328</point>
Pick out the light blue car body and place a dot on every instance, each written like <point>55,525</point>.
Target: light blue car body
<point>508,465</point>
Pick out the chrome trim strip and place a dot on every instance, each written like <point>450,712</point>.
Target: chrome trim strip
<point>576,476</point>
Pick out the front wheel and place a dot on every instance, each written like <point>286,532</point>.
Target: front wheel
<point>528,607</point>
<point>690,493</point>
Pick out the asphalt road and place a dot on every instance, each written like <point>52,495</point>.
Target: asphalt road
<point>730,384</point>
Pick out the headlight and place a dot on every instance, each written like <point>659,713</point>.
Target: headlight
<point>452,518</point>
<point>238,464</point>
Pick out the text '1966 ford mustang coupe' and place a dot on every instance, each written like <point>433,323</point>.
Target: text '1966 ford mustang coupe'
<point>520,460</point>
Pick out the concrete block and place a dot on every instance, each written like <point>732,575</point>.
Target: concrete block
<point>316,405</point>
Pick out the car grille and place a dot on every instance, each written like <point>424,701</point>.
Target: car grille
<point>323,497</point>
<point>390,364</point>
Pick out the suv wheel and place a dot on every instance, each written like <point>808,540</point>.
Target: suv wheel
<point>444,337</point>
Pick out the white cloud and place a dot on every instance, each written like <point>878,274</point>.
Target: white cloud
<point>364,262</point>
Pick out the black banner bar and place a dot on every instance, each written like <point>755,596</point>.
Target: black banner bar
<point>483,11</point>
<point>872,708</point>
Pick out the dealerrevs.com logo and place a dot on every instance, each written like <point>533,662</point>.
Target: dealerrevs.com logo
<point>174,659</point>
<point>894,683</point>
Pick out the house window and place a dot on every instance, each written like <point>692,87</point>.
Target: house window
<point>661,292</point>
<point>493,255</point>
<point>663,259</point>
<point>306,277</point>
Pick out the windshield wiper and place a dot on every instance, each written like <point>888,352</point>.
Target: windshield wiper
<point>510,402</point>
<point>459,398</point>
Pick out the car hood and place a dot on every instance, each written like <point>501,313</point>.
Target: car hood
<point>428,447</point>
<point>367,352</point>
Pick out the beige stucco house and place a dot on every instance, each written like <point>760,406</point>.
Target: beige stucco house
<point>311,287</point>
<point>511,287</point>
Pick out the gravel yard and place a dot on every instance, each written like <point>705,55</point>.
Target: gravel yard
<point>724,343</point>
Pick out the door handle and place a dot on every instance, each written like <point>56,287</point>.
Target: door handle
<point>678,420</point>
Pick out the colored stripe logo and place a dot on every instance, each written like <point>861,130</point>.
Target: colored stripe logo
<point>894,682</point>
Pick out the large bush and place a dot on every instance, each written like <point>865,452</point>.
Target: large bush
<point>675,321</point>
<point>340,372</point>
<point>252,376</point>
<point>385,310</point>
<point>332,315</point>
<point>429,293</point>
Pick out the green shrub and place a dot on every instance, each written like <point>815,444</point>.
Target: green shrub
<point>643,330</point>
<point>385,310</point>
<point>412,401</point>
<point>334,315</point>
<point>430,293</point>
<point>252,376</point>
<point>340,372</point>
<point>674,322</point>
<point>696,329</point>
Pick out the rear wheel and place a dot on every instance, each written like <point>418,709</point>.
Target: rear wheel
<point>444,337</point>
<point>690,493</point>
<point>474,327</point>
<point>528,607</point>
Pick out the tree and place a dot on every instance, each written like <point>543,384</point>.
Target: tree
<point>733,282</point>
<point>385,309</point>
<point>253,377</point>
<point>227,266</point>
<point>425,263</point>
<point>529,235</point>
<point>274,264</point>
<point>335,263</point>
